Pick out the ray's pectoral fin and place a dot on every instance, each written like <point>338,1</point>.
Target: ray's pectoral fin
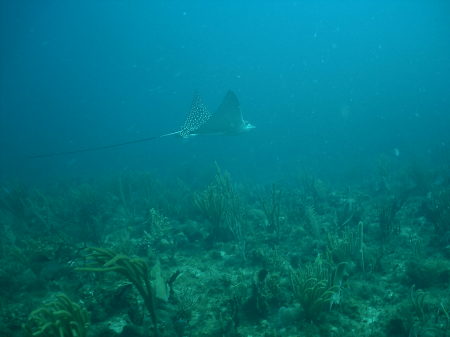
<point>227,119</point>
<point>198,115</point>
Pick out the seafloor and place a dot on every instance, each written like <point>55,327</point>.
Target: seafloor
<point>137,255</point>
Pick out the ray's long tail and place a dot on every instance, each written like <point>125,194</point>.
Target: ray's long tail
<point>197,116</point>
<point>103,147</point>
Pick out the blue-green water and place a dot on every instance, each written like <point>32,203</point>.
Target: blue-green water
<point>327,83</point>
<point>330,218</point>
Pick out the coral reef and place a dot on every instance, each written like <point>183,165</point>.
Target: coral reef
<point>300,257</point>
<point>59,318</point>
<point>135,270</point>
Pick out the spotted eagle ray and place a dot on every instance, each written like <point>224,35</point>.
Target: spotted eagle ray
<point>226,120</point>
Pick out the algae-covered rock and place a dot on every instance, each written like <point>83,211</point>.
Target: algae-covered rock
<point>428,273</point>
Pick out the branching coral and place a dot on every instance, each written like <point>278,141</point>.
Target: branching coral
<point>314,288</point>
<point>60,318</point>
<point>221,206</point>
<point>347,247</point>
<point>212,202</point>
<point>136,270</point>
<point>272,209</point>
<point>387,212</point>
